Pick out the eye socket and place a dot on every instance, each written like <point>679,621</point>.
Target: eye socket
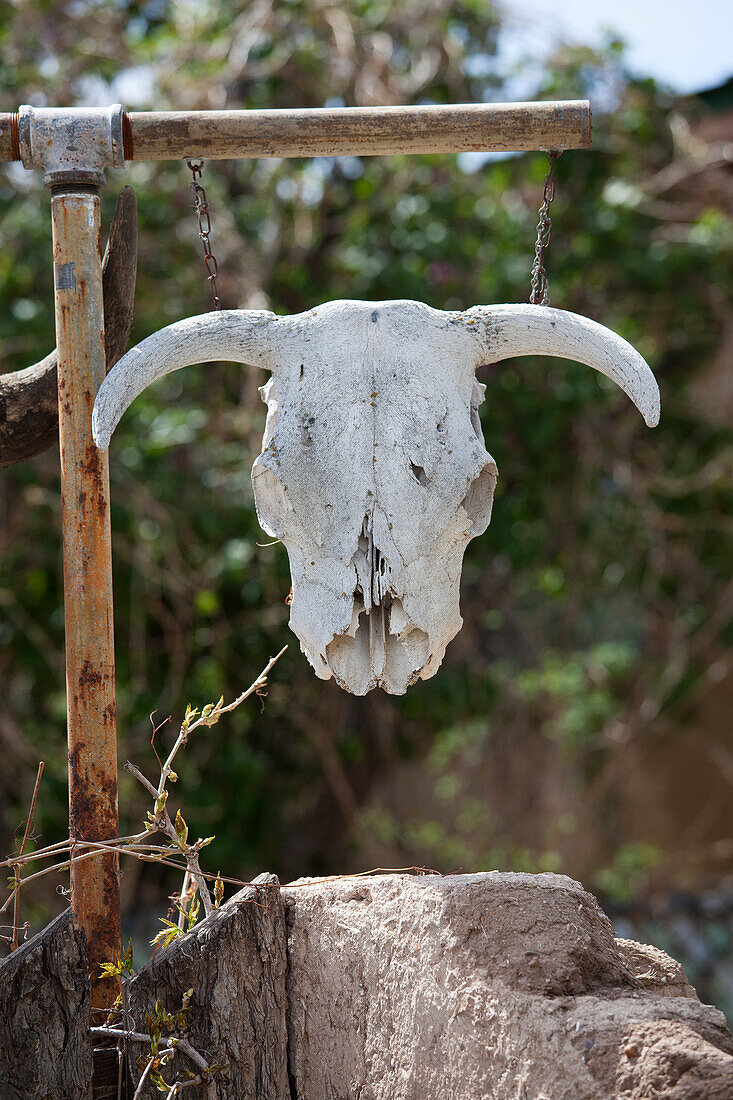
<point>270,500</point>
<point>479,499</point>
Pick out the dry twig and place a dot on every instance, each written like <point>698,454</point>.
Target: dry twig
<point>178,854</point>
<point>16,865</point>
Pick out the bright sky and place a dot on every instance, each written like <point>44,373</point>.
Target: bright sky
<point>688,44</point>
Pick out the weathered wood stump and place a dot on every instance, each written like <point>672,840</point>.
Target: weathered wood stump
<point>235,962</point>
<point>45,1001</point>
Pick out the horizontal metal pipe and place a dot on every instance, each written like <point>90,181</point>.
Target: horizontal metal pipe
<point>358,131</point>
<point>348,131</point>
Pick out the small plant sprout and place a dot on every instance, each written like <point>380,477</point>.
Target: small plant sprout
<point>176,830</point>
<point>175,851</point>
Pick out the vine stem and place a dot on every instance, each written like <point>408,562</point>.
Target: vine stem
<point>138,844</point>
<point>16,868</point>
<point>170,1046</point>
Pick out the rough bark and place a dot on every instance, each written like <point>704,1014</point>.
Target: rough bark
<point>504,986</point>
<point>45,1001</point>
<point>235,963</point>
<point>29,418</point>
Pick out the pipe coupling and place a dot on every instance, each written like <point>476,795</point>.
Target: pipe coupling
<point>72,145</point>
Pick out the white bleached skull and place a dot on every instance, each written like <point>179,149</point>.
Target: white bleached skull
<point>373,470</point>
<point>374,474</point>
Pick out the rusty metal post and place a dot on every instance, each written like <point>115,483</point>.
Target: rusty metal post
<point>73,147</point>
<point>90,679</point>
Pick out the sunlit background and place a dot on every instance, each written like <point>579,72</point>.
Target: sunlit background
<point>581,720</point>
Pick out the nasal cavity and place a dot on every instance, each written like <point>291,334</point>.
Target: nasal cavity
<point>418,473</point>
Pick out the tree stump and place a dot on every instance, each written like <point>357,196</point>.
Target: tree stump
<point>45,1001</point>
<point>235,962</point>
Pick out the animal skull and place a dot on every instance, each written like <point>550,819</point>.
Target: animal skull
<point>373,470</point>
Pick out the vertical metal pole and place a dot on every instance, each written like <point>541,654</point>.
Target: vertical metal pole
<point>90,680</point>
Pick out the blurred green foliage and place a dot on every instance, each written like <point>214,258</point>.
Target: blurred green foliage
<point>595,605</point>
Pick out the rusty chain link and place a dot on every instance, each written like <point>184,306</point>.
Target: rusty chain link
<point>540,295</point>
<point>539,282</point>
<point>204,223</point>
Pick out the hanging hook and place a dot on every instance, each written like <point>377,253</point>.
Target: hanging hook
<point>204,224</point>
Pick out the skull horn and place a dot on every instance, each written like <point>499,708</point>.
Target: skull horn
<point>230,335</point>
<point>29,415</point>
<point>505,331</point>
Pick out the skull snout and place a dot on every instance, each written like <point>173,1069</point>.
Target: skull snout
<point>381,647</point>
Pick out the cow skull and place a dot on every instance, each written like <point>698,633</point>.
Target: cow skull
<point>373,470</point>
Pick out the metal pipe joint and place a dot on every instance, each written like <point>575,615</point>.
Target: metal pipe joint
<point>72,145</point>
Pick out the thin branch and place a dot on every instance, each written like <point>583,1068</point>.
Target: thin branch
<point>16,869</point>
<point>259,683</point>
<point>164,1057</point>
<point>196,1058</point>
<point>186,731</point>
<point>161,817</point>
<point>139,1037</point>
<point>139,844</point>
<point>96,848</point>
<point>185,897</point>
<point>170,1046</point>
<point>179,1086</point>
<point>141,779</point>
<point>62,845</point>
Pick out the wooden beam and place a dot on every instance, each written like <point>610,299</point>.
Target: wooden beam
<point>346,131</point>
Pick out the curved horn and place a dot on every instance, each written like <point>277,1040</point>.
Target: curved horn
<point>29,403</point>
<point>233,335</point>
<point>506,331</point>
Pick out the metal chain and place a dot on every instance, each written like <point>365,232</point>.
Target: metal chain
<point>540,295</point>
<point>204,223</point>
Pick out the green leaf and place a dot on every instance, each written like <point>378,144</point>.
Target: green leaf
<point>157,1080</point>
<point>111,969</point>
<point>181,828</point>
<point>189,717</point>
<point>192,914</point>
<point>127,958</point>
<point>167,934</point>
